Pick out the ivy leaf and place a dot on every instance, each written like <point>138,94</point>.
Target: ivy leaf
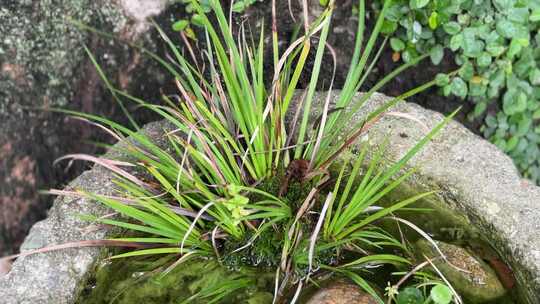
<point>523,125</point>
<point>480,108</point>
<point>536,114</point>
<point>535,15</point>
<point>484,60</point>
<point>410,295</point>
<point>406,56</point>
<point>506,28</point>
<point>534,77</point>
<point>442,79</point>
<point>512,143</point>
<point>397,45</point>
<point>456,42</point>
<point>514,102</point>
<point>514,49</point>
<point>495,49</point>
<point>477,89</point>
<point>472,47</point>
<point>503,5</point>
<point>436,54</point>
<point>497,79</point>
<point>389,27</point>
<point>447,89</point>
<point>521,102</point>
<point>458,87</point>
<point>452,27</point>
<point>491,121</point>
<point>441,294</point>
<point>466,71</point>
<point>416,4</point>
<point>518,14</point>
<point>416,31</point>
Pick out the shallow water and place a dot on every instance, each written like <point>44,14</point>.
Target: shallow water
<point>139,280</point>
<point>132,281</point>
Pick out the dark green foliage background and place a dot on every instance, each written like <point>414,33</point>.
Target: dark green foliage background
<point>495,43</point>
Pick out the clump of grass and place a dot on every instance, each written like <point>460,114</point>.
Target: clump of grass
<point>239,185</point>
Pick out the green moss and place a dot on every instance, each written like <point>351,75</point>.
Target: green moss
<point>132,281</point>
<point>47,49</point>
<point>264,252</point>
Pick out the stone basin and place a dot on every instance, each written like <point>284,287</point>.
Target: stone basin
<point>477,186</point>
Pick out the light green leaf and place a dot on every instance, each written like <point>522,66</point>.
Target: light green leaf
<point>458,87</point>
<point>456,42</point>
<point>503,5</point>
<point>536,114</point>
<point>480,108</point>
<point>442,79</point>
<point>495,49</point>
<point>535,15</point>
<point>416,4</point>
<point>436,54</point>
<point>433,21</point>
<point>198,20</point>
<point>521,102</point>
<point>447,89</point>
<point>441,294</point>
<point>514,49</point>
<point>534,76</point>
<point>472,47</point>
<point>506,29</point>
<point>466,71</point>
<point>512,143</point>
<point>484,60</point>
<point>180,25</point>
<point>452,27</point>
<point>397,45</point>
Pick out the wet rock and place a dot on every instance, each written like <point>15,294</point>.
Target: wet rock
<point>474,280</point>
<point>42,66</point>
<point>341,292</point>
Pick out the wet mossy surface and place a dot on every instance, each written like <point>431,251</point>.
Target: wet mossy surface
<point>139,281</point>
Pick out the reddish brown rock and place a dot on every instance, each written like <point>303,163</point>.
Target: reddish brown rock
<point>341,292</point>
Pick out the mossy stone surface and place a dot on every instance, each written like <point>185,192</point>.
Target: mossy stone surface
<point>473,279</point>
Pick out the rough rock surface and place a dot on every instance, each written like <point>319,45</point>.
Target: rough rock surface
<point>473,178</point>
<point>341,293</point>
<point>55,277</point>
<point>42,66</point>
<point>469,275</point>
<point>476,181</point>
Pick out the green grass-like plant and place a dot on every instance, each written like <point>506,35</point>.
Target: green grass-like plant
<point>238,182</point>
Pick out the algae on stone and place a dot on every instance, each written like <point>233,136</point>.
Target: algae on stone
<point>136,281</point>
<point>473,279</point>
